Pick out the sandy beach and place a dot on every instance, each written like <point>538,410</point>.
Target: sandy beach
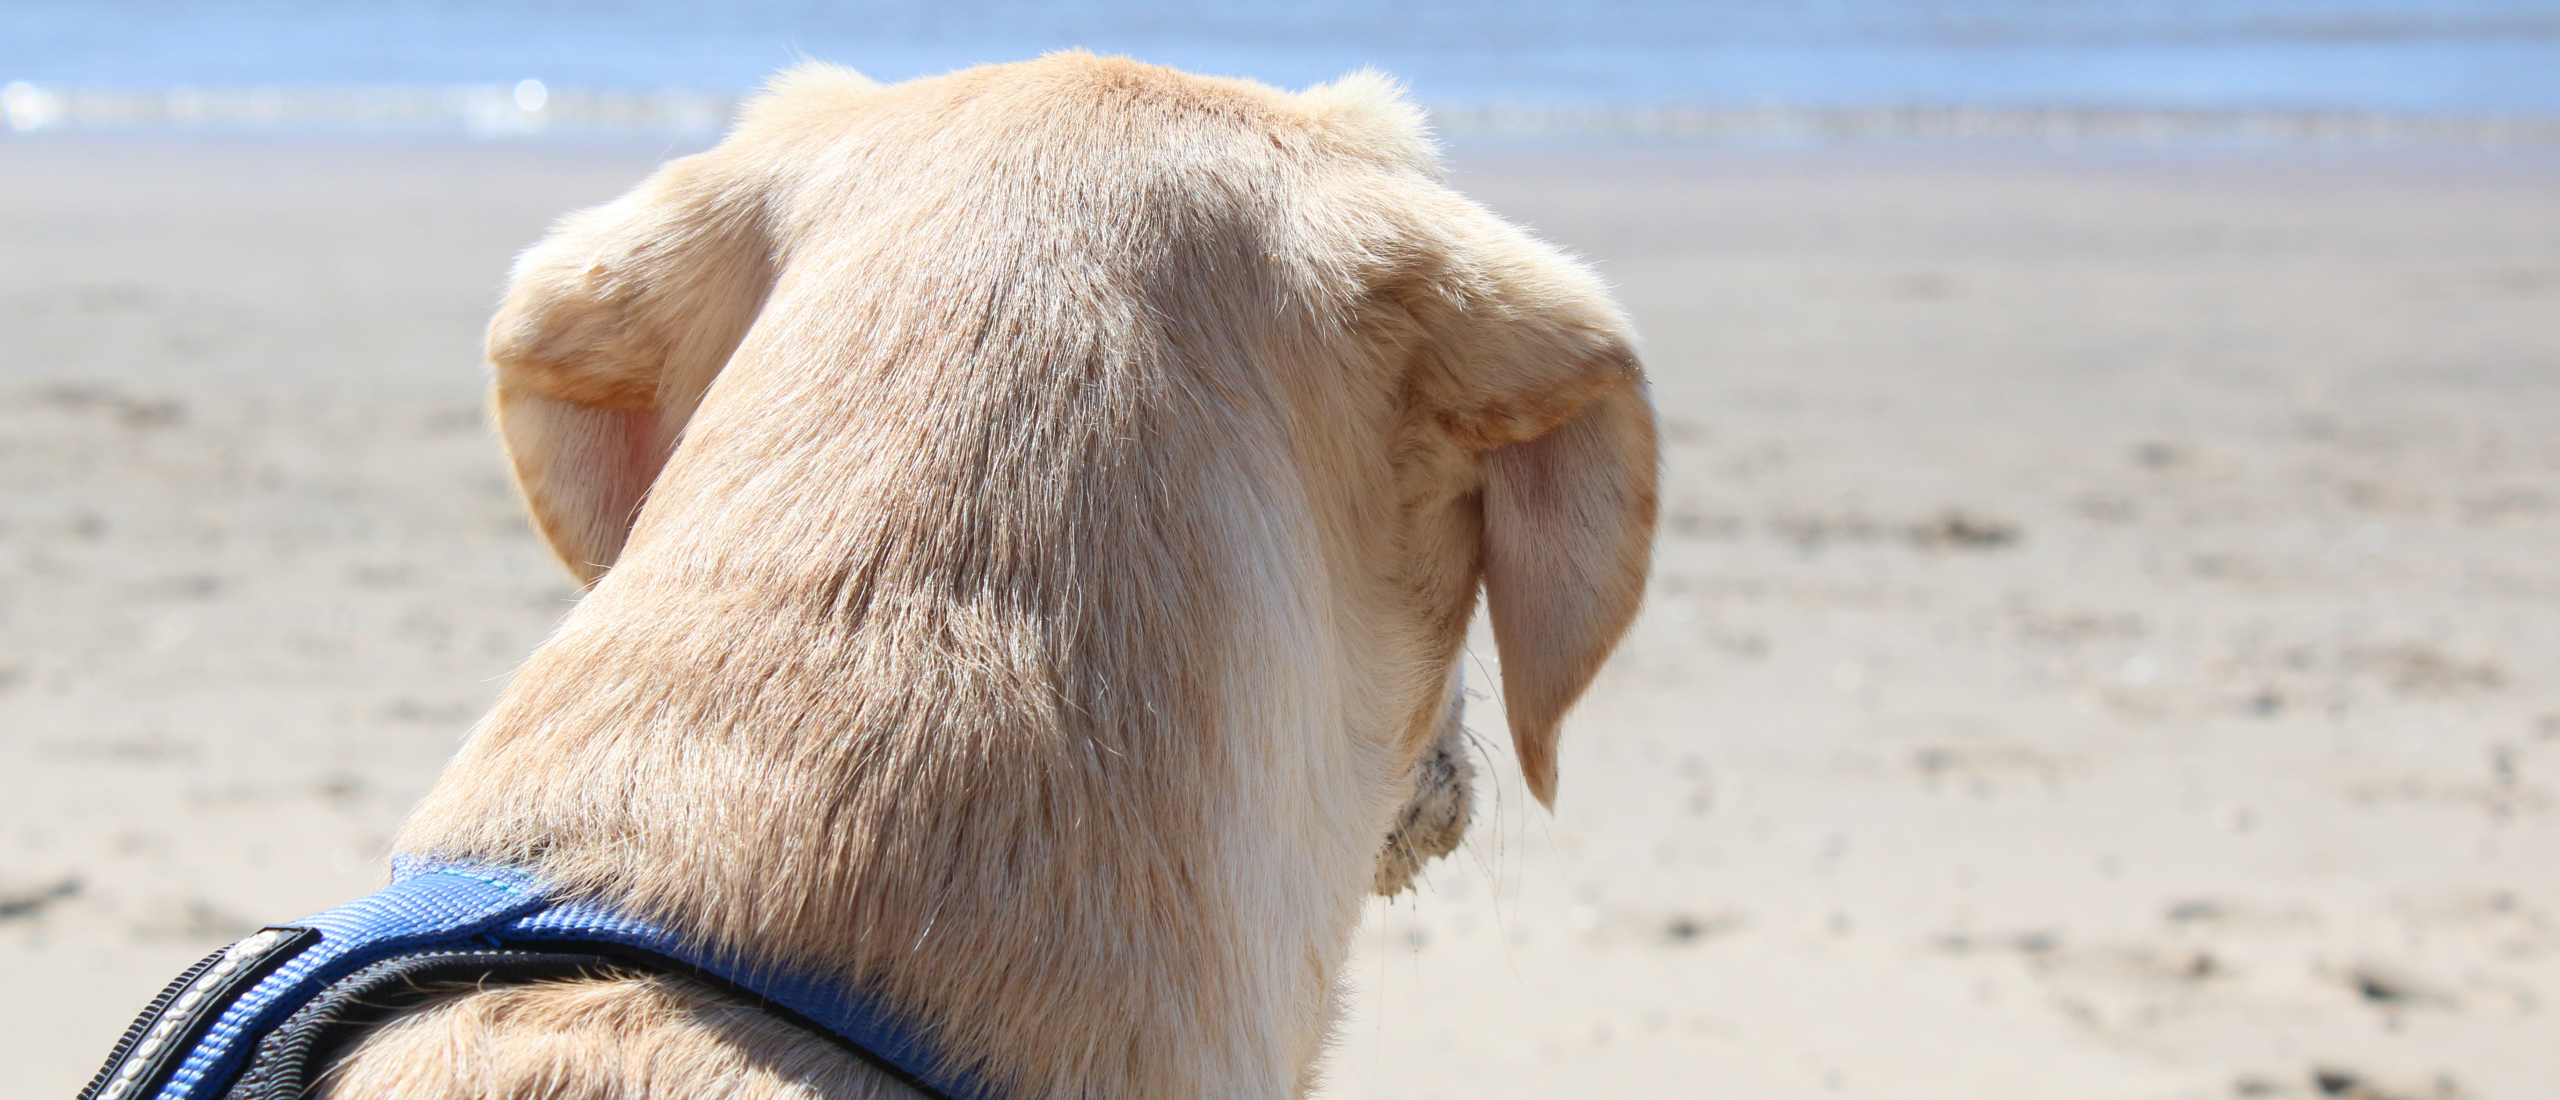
<point>2104,643</point>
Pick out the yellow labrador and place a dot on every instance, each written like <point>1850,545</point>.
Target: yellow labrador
<point>1033,514</point>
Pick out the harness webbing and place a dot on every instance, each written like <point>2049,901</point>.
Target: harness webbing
<point>258,1019</point>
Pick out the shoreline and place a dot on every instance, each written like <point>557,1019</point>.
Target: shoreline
<point>531,108</point>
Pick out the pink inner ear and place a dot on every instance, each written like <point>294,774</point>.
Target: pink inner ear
<point>1568,526</point>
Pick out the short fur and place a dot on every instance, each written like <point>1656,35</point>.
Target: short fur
<point>1033,516</point>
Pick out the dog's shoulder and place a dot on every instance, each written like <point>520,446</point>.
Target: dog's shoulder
<point>669,1037</point>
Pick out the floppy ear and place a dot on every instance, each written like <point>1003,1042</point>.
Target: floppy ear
<point>1568,537</point>
<point>612,328</point>
<point>1534,367</point>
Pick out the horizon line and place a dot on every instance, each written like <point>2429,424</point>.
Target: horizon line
<point>531,107</point>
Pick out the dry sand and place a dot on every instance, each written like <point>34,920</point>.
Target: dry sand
<point>2103,641</point>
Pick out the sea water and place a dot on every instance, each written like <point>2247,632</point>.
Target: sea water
<point>2419,57</point>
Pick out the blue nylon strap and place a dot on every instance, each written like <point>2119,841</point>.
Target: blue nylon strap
<point>438,906</point>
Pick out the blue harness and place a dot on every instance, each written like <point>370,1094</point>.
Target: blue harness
<point>261,1018</point>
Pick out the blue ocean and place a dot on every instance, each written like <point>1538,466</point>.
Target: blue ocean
<point>2410,57</point>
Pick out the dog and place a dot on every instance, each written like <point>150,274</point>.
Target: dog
<point>1032,518</point>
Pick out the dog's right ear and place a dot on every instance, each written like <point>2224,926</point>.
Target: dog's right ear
<point>1527,361</point>
<point>612,328</point>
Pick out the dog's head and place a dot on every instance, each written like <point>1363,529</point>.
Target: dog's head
<point>1413,399</point>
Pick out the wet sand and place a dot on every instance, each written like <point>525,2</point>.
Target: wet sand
<point>2102,642</point>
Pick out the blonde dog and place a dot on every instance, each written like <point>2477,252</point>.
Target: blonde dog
<point>1033,515</point>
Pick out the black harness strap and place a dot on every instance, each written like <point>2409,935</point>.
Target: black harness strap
<point>289,1062</point>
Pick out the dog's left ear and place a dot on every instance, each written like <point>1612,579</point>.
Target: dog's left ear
<point>1530,362</point>
<point>612,328</point>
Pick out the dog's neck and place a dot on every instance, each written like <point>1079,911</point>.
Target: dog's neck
<point>1030,735</point>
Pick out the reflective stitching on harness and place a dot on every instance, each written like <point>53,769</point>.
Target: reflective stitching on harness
<point>250,990</point>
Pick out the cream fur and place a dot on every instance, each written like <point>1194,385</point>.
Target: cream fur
<point>1033,515</point>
